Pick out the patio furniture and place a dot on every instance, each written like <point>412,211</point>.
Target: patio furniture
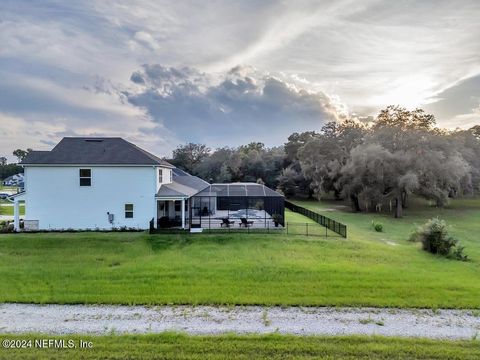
<point>206,211</point>
<point>226,222</point>
<point>165,222</point>
<point>244,222</point>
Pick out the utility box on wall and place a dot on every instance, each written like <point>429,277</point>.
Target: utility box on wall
<point>30,225</point>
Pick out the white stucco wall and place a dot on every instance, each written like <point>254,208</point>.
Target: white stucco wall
<point>166,176</point>
<point>55,198</point>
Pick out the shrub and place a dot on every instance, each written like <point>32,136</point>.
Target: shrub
<point>435,239</point>
<point>6,227</point>
<point>378,227</point>
<point>457,253</point>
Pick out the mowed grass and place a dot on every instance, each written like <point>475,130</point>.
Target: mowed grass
<point>175,346</point>
<point>8,210</point>
<point>295,218</point>
<point>366,269</point>
<point>462,216</point>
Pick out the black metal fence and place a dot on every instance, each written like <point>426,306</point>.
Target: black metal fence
<point>328,223</point>
<point>289,228</point>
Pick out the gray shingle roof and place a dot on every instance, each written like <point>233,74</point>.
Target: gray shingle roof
<point>180,172</point>
<point>35,157</point>
<point>182,185</point>
<point>193,182</point>
<point>94,151</point>
<point>168,190</point>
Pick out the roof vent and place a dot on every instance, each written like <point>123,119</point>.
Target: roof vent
<point>93,140</point>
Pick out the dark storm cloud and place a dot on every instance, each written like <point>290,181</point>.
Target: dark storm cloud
<point>364,54</point>
<point>239,105</point>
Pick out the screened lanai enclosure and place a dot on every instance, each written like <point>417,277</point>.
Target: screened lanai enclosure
<point>236,205</point>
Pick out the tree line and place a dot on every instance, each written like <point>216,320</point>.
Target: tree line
<point>374,165</point>
<point>9,169</point>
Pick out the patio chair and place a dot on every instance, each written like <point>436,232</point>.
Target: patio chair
<point>226,222</point>
<point>206,211</point>
<point>244,222</point>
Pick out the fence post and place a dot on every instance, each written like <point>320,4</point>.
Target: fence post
<point>328,223</point>
<point>307,228</point>
<point>151,227</point>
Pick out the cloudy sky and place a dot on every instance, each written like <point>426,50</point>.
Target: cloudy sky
<point>160,73</point>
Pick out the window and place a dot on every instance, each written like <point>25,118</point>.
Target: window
<point>128,211</point>
<point>85,177</point>
<point>178,205</point>
<point>170,175</point>
<point>160,175</point>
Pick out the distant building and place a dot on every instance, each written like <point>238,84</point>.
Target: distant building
<point>14,180</point>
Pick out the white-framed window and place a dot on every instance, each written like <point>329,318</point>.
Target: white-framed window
<point>85,177</point>
<point>170,175</point>
<point>128,211</point>
<point>160,176</point>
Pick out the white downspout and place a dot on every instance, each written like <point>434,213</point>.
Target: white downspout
<point>183,213</point>
<point>16,215</point>
<point>155,201</point>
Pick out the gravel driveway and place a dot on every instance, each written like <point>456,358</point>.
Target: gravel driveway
<point>86,319</point>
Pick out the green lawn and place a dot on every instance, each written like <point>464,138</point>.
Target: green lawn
<point>175,346</point>
<point>8,210</point>
<point>462,215</point>
<point>295,218</point>
<point>367,268</point>
<point>2,187</point>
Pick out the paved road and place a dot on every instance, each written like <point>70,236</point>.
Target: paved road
<point>81,319</point>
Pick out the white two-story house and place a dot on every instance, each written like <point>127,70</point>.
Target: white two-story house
<point>101,183</point>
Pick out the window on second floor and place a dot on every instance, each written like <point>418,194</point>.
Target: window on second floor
<point>160,176</point>
<point>129,211</point>
<point>85,177</point>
